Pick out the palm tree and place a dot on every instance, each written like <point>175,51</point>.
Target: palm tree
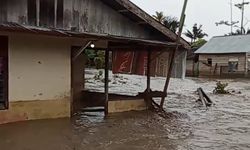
<point>196,33</point>
<point>159,16</point>
<point>172,23</point>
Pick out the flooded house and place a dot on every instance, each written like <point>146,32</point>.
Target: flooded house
<point>42,58</point>
<point>225,56</point>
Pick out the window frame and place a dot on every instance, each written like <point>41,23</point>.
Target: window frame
<point>45,13</point>
<point>4,54</point>
<point>210,61</point>
<point>232,61</point>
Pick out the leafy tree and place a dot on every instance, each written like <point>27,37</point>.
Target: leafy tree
<point>159,16</point>
<point>199,43</point>
<point>95,58</point>
<point>100,60</point>
<point>172,23</point>
<point>196,33</point>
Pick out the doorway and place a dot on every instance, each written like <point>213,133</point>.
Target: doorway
<point>3,72</point>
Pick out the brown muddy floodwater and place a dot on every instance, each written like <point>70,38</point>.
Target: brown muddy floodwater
<point>225,126</point>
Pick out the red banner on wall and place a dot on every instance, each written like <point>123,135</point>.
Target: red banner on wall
<point>123,61</point>
<point>141,64</point>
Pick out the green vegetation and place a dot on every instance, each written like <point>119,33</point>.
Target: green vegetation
<point>99,75</point>
<point>199,43</point>
<point>171,23</point>
<point>221,88</point>
<point>96,58</point>
<point>196,33</point>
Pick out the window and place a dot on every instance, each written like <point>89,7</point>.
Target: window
<point>3,11</point>
<point>3,72</point>
<point>1,84</point>
<point>46,13</point>
<point>233,64</point>
<point>209,61</point>
<point>59,14</point>
<point>32,12</point>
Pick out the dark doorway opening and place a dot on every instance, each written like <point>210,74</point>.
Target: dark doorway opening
<point>3,72</point>
<point>83,100</point>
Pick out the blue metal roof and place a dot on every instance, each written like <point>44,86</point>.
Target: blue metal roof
<point>226,44</point>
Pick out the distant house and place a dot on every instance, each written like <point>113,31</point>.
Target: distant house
<point>42,60</point>
<point>227,56</point>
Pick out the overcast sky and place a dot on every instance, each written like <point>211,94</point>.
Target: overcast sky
<point>205,12</point>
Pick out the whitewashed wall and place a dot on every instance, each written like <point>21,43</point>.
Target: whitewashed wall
<point>39,67</point>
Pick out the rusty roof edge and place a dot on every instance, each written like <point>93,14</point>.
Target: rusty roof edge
<point>151,21</point>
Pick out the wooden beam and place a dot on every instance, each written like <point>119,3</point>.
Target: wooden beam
<point>37,12</point>
<point>171,65</point>
<point>106,86</point>
<point>123,11</point>
<point>55,13</point>
<point>147,97</point>
<point>81,50</point>
<point>141,22</point>
<point>178,41</point>
<point>148,70</point>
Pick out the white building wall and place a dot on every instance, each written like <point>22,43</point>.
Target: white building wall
<point>39,67</point>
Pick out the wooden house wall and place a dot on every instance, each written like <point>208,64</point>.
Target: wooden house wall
<point>248,62</point>
<point>91,16</point>
<point>221,61</point>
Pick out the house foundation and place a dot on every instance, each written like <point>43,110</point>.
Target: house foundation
<point>32,110</point>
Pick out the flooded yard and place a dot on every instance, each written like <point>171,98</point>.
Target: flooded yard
<point>187,125</point>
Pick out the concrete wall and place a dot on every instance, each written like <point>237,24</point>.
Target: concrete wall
<point>39,78</point>
<point>220,60</point>
<point>39,68</point>
<point>126,105</point>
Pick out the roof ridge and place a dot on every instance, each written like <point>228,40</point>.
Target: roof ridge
<point>224,36</point>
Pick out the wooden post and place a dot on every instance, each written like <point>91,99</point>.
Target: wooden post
<point>148,98</point>
<point>148,70</point>
<point>106,81</point>
<point>171,65</point>
<point>182,20</point>
<point>246,65</point>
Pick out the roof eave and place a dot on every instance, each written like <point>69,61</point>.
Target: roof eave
<point>137,11</point>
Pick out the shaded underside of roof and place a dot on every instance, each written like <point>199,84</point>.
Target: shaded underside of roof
<point>226,45</point>
<point>14,27</point>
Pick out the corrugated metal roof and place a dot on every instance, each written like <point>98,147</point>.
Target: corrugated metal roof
<point>226,44</point>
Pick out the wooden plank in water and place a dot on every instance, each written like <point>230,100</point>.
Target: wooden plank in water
<point>93,109</point>
<point>204,97</point>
